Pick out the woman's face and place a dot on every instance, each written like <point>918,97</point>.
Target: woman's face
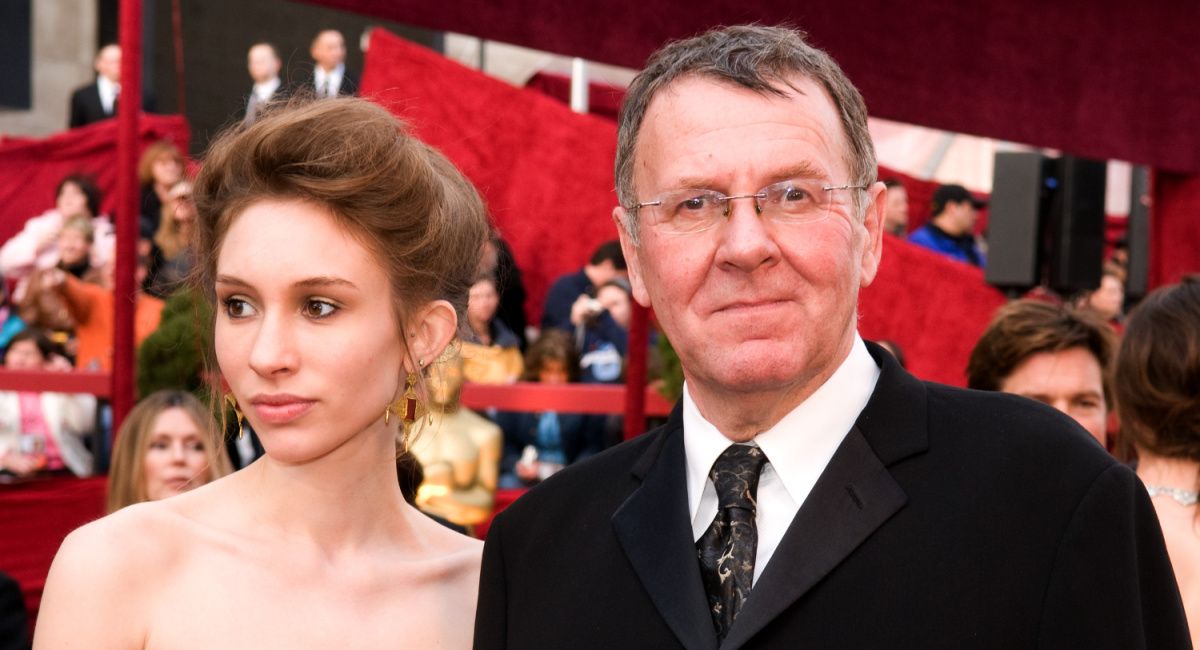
<point>482,302</point>
<point>305,333</point>
<point>176,459</point>
<point>72,202</point>
<point>24,355</point>
<point>166,170</point>
<point>73,246</point>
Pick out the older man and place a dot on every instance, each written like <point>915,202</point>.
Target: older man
<point>807,492</point>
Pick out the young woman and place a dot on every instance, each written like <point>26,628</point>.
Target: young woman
<point>167,445</point>
<point>338,251</point>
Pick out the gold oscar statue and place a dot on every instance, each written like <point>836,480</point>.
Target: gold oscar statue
<point>459,451</point>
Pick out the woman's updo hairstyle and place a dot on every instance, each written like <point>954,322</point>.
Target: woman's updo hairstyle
<point>403,200</point>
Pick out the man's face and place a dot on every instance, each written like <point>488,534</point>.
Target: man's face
<point>262,63</point>
<point>964,216</point>
<point>895,218</point>
<point>1071,381</point>
<point>751,305</point>
<point>329,49</point>
<point>108,63</point>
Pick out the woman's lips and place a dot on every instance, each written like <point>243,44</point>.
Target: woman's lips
<point>274,410</point>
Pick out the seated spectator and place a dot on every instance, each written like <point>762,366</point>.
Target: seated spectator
<point>168,444</point>
<point>569,300</point>
<point>895,216</point>
<point>536,445</point>
<point>1158,392</point>
<point>40,243</point>
<point>499,262</point>
<point>1108,300</point>
<point>951,229</point>
<point>1056,355</point>
<point>159,170</point>
<point>174,240</point>
<point>91,307</point>
<point>603,335</point>
<point>43,431</point>
<point>495,356</point>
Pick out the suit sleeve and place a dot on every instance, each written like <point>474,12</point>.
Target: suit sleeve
<point>78,116</point>
<point>491,614</point>
<point>1112,585</point>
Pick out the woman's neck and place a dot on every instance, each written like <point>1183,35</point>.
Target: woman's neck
<point>1161,471</point>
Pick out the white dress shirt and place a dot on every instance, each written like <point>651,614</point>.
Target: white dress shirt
<point>108,93</point>
<point>263,91</point>
<point>328,83</point>
<point>798,448</point>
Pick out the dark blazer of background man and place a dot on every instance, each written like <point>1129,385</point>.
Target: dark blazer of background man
<point>329,76</point>
<point>98,100</point>
<point>926,516</point>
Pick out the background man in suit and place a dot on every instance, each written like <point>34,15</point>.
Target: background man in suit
<point>807,491</point>
<point>329,77</point>
<point>98,100</point>
<point>263,63</point>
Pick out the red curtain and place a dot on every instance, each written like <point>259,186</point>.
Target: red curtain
<point>30,169</point>
<point>1174,227</point>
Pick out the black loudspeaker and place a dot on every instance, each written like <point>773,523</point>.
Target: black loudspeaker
<point>1046,223</point>
<point>1138,235</point>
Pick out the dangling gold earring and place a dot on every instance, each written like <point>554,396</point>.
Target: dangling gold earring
<point>241,419</point>
<point>411,407</point>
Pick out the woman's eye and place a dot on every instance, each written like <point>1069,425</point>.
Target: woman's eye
<point>237,308</point>
<point>319,309</point>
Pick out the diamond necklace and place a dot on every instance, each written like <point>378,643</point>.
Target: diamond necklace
<point>1181,496</point>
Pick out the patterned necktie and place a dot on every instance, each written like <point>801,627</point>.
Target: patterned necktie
<point>727,549</point>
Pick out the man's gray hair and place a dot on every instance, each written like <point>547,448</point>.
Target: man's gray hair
<point>755,57</point>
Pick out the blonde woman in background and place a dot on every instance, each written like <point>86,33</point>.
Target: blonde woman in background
<point>167,445</point>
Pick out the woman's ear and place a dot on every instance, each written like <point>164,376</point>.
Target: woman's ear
<point>430,331</point>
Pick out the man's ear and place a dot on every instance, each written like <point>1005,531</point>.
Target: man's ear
<point>872,252</point>
<point>629,247</point>
<point>430,331</point>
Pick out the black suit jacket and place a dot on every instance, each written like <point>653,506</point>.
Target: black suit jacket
<point>947,518</point>
<point>86,107</point>
<point>307,84</point>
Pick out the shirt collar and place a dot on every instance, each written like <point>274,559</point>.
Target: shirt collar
<point>801,444</point>
<point>107,88</point>
<point>265,89</point>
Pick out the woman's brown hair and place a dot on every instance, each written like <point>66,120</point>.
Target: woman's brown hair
<point>151,155</point>
<point>410,206</point>
<point>126,478</point>
<point>1158,373</point>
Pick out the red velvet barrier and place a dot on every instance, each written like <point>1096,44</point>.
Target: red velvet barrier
<point>545,171</point>
<point>35,516</point>
<point>603,100</point>
<point>30,169</point>
<point>1174,227</point>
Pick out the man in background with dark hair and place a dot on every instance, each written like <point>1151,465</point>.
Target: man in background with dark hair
<point>951,229</point>
<point>1053,354</point>
<point>98,100</point>
<point>572,297</point>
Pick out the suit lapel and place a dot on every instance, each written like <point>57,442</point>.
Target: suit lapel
<point>855,495</point>
<point>654,529</point>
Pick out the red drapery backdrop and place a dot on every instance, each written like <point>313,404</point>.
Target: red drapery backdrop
<point>31,168</point>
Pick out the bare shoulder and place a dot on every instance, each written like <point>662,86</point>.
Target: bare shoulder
<point>101,575</point>
<point>454,555</point>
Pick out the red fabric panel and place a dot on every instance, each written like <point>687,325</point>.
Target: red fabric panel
<point>545,171</point>
<point>34,518</point>
<point>933,307</point>
<point>30,169</point>
<point>1174,227</point>
<point>1102,80</point>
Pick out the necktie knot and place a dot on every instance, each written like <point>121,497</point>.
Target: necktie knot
<point>735,476</point>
